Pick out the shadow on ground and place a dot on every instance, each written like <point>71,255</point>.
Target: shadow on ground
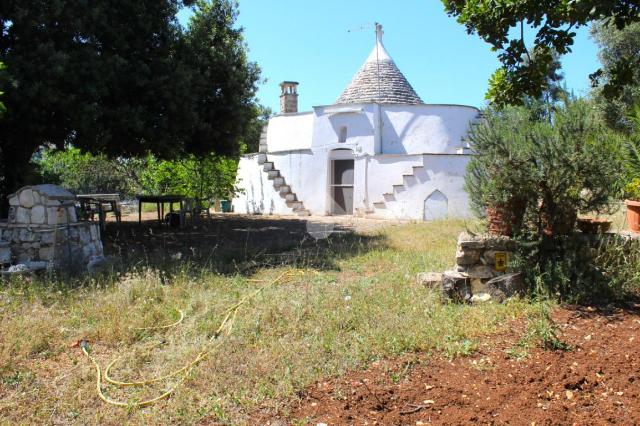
<point>236,244</point>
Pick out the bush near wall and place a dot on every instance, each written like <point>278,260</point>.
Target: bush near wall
<point>210,176</point>
<point>546,164</point>
<point>543,164</point>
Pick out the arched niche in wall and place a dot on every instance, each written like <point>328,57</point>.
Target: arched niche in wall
<point>436,206</point>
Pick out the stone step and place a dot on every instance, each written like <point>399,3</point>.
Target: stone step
<point>272,174</point>
<point>262,148</point>
<point>295,205</point>
<point>268,166</point>
<point>380,205</point>
<point>303,212</point>
<point>278,182</point>
<point>284,189</point>
<point>290,197</point>
<point>262,158</point>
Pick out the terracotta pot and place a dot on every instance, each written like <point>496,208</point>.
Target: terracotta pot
<point>590,225</point>
<point>497,223</point>
<point>633,214</point>
<point>503,217</point>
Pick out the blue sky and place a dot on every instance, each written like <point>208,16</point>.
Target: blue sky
<point>310,42</point>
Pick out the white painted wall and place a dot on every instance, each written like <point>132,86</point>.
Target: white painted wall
<point>444,173</point>
<point>290,131</point>
<point>306,173</point>
<point>421,129</point>
<point>258,195</point>
<point>301,147</point>
<point>359,121</point>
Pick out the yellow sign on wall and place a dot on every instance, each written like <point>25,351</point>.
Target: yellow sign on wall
<point>501,261</point>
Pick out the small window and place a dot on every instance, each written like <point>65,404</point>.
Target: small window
<point>342,138</point>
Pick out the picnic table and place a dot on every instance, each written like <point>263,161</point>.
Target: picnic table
<point>159,201</point>
<point>100,204</point>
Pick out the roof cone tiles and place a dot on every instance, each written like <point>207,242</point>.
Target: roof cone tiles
<point>379,80</point>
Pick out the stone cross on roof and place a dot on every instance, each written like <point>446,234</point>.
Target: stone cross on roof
<point>379,80</point>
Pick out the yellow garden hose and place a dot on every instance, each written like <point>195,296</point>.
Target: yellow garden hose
<point>225,328</point>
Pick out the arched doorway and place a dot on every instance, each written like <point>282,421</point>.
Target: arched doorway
<point>436,206</point>
<point>341,172</point>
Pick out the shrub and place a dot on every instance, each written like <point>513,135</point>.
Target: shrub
<point>210,176</point>
<point>552,162</point>
<point>81,172</point>
<point>632,190</point>
<point>581,268</point>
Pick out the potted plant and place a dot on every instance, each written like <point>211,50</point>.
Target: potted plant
<point>632,194</point>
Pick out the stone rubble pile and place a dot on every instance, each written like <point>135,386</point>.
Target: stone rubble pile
<point>482,271</point>
<point>42,231</point>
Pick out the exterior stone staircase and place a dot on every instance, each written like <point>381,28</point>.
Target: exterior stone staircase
<point>391,195</point>
<point>279,182</point>
<point>407,177</point>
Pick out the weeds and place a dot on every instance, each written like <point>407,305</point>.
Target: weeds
<point>541,332</point>
<point>357,305</point>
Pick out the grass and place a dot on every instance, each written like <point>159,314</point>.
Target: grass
<point>321,323</point>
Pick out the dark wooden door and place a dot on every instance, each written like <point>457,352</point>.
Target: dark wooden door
<point>342,187</point>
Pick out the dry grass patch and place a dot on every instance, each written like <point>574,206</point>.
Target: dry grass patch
<point>319,324</point>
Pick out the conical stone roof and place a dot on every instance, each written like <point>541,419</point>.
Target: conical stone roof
<point>379,81</point>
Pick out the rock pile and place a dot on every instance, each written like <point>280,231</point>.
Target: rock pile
<point>43,231</point>
<point>482,271</point>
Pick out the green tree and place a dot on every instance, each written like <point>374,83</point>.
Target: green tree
<point>525,70</point>
<point>2,107</point>
<point>207,177</point>
<point>123,79</point>
<point>617,87</point>
<point>251,139</point>
<point>219,103</point>
<point>82,172</point>
<point>552,167</point>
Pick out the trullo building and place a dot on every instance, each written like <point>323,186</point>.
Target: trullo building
<point>379,151</point>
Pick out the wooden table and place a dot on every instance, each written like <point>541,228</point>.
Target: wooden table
<point>159,201</point>
<point>99,200</point>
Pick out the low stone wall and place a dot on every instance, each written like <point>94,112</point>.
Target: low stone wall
<point>482,272</point>
<point>66,246</point>
<point>42,231</point>
<point>483,257</point>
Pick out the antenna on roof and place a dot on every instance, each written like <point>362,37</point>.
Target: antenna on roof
<point>365,26</point>
<point>378,34</point>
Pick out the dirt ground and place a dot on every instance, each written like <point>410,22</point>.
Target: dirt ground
<point>597,381</point>
<point>232,243</point>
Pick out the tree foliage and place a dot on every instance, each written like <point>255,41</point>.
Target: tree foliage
<point>122,79</point>
<point>207,177</point>
<point>524,70</point>
<point>202,177</point>
<point>552,166</point>
<point>617,89</point>
<point>2,107</point>
<point>82,172</point>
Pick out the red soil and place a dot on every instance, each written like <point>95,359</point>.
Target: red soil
<point>596,382</point>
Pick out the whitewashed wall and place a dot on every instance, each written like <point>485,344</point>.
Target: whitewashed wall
<point>420,129</point>
<point>359,121</point>
<point>301,147</point>
<point>258,195</point>
<point>444,173</point>
<point>290,131</point>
